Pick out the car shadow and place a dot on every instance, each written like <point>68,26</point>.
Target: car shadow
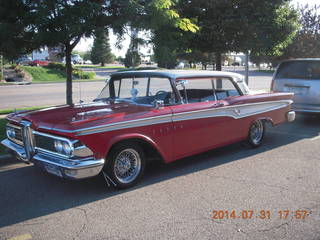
<point>27,193</point>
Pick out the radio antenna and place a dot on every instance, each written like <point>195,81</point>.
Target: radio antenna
<point>80,97</point>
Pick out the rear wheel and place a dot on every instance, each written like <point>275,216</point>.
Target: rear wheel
<point>125,165</point>
<point>256,133</point>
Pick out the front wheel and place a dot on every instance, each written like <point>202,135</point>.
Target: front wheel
<point>256,133</point>
<point>125,165</point>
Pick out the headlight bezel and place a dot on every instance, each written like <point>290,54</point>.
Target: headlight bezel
<point>63,147</point>
<point>10,132</point>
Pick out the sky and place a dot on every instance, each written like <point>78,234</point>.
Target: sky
<point>86,43</point>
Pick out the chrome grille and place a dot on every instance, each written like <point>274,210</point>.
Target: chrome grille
<point>18,134</point>
<point>44,142</point>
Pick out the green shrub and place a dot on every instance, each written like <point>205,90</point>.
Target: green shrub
<point>13,66</point>
<point>17,69</point>
<point>57,66</point>
<point>21,74</point>
<point>78,73</point>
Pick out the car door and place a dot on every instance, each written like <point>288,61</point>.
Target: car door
<point>204,119</point>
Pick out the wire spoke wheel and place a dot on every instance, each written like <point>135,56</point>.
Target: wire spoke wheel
<point>256,133</point>
<point>127,166</point>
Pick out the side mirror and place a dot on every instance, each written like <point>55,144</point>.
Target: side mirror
<point>158,104</point>
<point>182,83</point>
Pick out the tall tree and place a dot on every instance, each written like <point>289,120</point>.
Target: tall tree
<point>132,58</point>
<point>101,50</point>
<point>65,22</point>
<point>241,25</point>
<point>16,37</point>
<point>307,41</point>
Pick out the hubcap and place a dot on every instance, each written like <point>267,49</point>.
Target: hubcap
<point>256,132</point>
<point>127,165</point>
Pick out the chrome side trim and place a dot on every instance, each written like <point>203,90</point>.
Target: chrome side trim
<point>128,124</point>
<point>234,111</point>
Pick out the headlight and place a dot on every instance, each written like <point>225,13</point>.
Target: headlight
<point>67,148</point>
<point>10,132</point>
<point>63,147</point>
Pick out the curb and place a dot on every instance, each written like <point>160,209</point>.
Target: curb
<point>4,156</point>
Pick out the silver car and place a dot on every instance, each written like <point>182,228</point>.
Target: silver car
<point>302,77</point>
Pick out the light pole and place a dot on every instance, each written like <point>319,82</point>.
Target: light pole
<point>1,57</point>
<point>247,67</point>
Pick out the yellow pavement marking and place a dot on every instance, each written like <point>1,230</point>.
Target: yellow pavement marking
<point>21,237</point>
<point>315,138</point>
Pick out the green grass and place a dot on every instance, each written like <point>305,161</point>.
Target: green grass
<point>97,66</point>
<point>42,74</point>
<point>3,123</point>
<point>7,111</point>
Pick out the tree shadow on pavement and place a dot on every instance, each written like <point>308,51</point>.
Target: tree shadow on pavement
<point>27,193</point>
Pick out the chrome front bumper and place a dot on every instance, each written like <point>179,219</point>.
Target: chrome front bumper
<point>62,167</point>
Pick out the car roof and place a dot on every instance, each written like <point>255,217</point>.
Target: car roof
<point>176,74</point>
<point>302,59</point>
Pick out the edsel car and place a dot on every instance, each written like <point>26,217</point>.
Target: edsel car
<point>144,115</point>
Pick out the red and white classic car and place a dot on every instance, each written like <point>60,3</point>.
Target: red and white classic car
<point>140,115</point>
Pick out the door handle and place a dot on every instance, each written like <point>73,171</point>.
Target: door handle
<point>218,104</point>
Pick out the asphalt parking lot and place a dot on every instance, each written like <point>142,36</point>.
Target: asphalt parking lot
<point>177,201</point>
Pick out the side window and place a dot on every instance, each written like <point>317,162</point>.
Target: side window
<point>206,89</point>
<point>159,85</point>
<point>225,88</point>
<point>161,89</point>
<point>197,90</point>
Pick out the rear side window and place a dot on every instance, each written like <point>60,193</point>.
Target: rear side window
<point>207,89</point>
<point>299,70</point>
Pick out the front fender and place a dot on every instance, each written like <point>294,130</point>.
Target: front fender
<point>131,136</point>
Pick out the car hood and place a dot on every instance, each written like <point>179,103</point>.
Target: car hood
<point>70,118</point>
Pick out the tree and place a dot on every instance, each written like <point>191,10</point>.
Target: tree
<point>240,25</point>
<point>101,50</point>
<point>15,37</point>
<point>65,22</point>
<point>197,56</point>
<point>307,41</point>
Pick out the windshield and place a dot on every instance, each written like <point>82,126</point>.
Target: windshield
<point>142,90</point>
<point>299,70</point>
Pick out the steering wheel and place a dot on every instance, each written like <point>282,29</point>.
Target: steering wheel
<point>160,92</point>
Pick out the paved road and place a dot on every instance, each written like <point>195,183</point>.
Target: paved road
<point>54,93</point>
<point>176,201</point>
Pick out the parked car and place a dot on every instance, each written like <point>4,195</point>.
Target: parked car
<point>87,62</point>
<point>302,77</point>
<point>144,115</point>
<point>39,62</point>
<point>24,60</point>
